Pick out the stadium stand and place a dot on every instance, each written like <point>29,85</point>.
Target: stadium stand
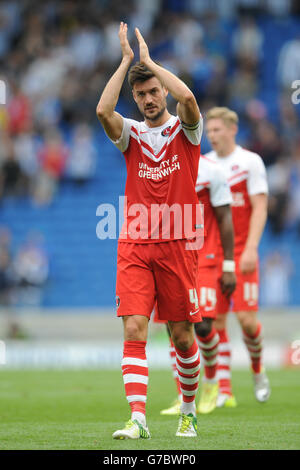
<point>37,38</point>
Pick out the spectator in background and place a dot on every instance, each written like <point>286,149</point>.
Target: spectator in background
<point>8,285</point>
<point>187,38</point>
<point>86,44</point>
<point>247,41</point>
<point>249,7</point>
<point>69,96</point>
<point>266,142</point>
<point>19,110</point>
<point>4,37</point>
<point>224,9</point>
<point>143,14</point>
<point>279,180</point>
<point>82,157</point>
<point>288,68</point>
<point>44,76</point>
<point>216,38</point>
<point>294,187</point>
<point>202,71</point>
<point>11,176</point>
<point>3,121</point>
<point>52,157</point>
<point>276,271</point>
<point>9,24</point>
<point>31,270</point>
<point>25,149</point>
<point>280,8</point>
<point>111,49</point>
<point>6,277</point>
<point>289,120</point>
<point>255,112</point>
<point>243,85</point>
<point>217,87</point>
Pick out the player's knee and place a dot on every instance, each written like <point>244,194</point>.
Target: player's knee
<point>220,322</point>
<point>248,322</point>
<point>182,334</point>
<point>204,328</point>
<point>134,330</point>
<point>132,333</point>
<point>182,343</point>
<point>182,340</point>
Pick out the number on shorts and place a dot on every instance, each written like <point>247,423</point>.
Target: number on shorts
<point>208,295</point>
<point>250,292</point>
<point>194,298</point>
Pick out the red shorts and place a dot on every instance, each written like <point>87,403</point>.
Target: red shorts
<point>163,273</point>
<point>245,296</point>
<point>207,280</point>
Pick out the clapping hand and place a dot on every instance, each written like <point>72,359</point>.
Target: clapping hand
<point>127,52</point>
<point>144,51</point>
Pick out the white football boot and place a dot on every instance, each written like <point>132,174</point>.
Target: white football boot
<point>262,390</point>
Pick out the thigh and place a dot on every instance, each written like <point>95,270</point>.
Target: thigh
<point>176,278</point>
<point>135,287</point>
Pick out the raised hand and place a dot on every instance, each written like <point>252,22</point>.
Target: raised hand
<point>127,52</point>
<point>144,51</point>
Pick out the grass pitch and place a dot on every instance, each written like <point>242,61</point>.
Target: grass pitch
<point>81,409</point>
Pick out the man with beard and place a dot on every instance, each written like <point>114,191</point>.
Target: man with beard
<point>157,250</point>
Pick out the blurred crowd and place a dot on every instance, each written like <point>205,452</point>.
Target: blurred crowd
<point>24,270</point>
<point>56,56</point>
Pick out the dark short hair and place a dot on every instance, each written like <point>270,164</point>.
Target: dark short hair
<point>139,73</point>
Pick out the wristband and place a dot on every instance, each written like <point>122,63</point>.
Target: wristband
<point>228,266</point>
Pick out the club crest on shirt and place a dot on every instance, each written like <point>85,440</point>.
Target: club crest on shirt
<point>165,132</point>
<point>235,167</point>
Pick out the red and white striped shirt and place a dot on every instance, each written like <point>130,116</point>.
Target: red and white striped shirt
<point>162,166</point>
<point>246,176</point>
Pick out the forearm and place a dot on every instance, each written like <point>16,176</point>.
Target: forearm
<point>227,240</point>
<point>256,226</point>
<point>176,87</point>
<point>111,92</point>
<point>224,219</point>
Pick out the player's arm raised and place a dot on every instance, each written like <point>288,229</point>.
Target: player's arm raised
<point>187,108</point>
<point>109,118</point>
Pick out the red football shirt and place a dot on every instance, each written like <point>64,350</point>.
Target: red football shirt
<point>161,203</point>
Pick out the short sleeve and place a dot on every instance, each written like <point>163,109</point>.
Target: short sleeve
<point>123,141</point>
<point>257,177</point>
<point>220,194</point>
<point>193,133</point>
